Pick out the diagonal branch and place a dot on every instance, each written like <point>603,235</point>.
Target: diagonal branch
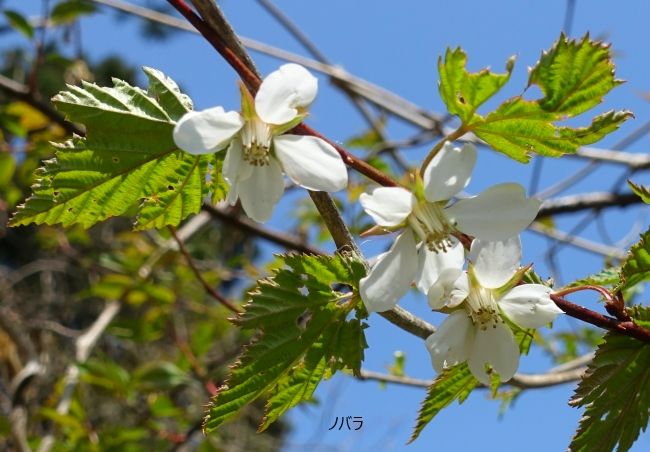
<point>22,92</point>
<point>208,288</point>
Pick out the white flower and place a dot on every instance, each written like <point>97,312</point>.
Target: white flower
<point>258,153</point>
<point>485,296</point>
<point>496,214</point>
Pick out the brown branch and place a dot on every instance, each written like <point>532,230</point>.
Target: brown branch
<point>522,381</point>
<point>286,240</point>
<point>208,288</point>
<point>576,203</point>
<point>253,81</point>
<point>22,92</point>
<point>626,328</point>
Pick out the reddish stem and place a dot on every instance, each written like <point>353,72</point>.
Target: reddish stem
<point>604,292</point>
<point>614,305</point>
<point>252,82</point>
<point>627,328</point>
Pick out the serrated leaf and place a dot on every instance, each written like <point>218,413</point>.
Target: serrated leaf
<point>636,267</point>
<point>519,127</point>
<point>615,392</point>
<point>128,160</point>
<point>69,10</point>
<point>305,336</point>
<point>641,191</point>
<point>166,92</point>
<point>463,92</point>
<point>573,77</point>
<point>454,383</point>
<point>19,23</point>
<point>606,277</point>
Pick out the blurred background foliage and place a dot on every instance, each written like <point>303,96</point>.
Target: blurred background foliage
<point>169,347</point>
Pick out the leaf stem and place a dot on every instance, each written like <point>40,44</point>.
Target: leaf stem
<point>626,328</point>
<point>607,295</point>
<point>456,134</point>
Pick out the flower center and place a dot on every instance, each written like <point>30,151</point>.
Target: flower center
<point>430,223</point>
<point>256,141</point>
<point>482,308</point>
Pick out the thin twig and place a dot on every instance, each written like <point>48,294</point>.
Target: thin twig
<point>208,288</point>
<point>280,238</point>
<point>578,242</point>
<point>85,343</point>
<point>522,381</point>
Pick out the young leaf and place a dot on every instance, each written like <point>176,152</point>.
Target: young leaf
<point>641,191</point>
<point>19,23</point>
<point>615,392</point>
<point>128,160</point>
<point>305,336</point>
<point>463,92</point>
<point>520,127</point>
<point>636,267</point>
<point>606,277</point>
<point>573,77</point>
<point>454,383</point>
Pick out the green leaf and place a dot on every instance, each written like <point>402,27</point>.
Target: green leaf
<point>641,191</point>
<point>19,23</point>
<point>519,127</point>
<point>463,92</point>
<point>306,336</point>
<point>573,77</point>
<point>454,383</point>
<point>615,392</point>
<point>606,277</point>
<point>636,267</point>
<point>128,160</point>
<point>70,10</point>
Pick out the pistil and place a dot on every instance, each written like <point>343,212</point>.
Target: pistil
<point>256,141</point>
<point>432,226</point>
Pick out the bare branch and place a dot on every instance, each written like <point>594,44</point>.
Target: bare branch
<point>579,242</point>
<point>575,203</point>
<point>522,381</point>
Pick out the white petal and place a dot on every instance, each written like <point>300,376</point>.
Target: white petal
<point>449,290</point>
<point>450,344</point>
<point>284,91</point>
<point>203,132</point>
<point>529,305</point>
<point>496,347</point>
<point>234,166</point>
<point>449,172</point>
<point>388,206</point>
<point>432,263</point>
<point>261,192</point>
<point>495,262</point>
<point>496,214</point>
<point>311,162</point>
<point>390,278</point>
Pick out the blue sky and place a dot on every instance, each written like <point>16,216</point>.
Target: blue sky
<point>397,46</point>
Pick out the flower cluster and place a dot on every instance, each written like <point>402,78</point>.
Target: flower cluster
<point>484,298</point>
<point>482,301</point>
